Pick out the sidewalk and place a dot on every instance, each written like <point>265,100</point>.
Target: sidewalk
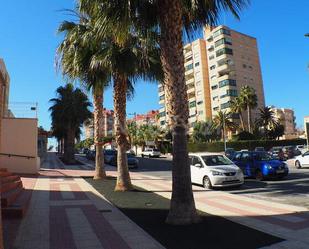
<point>66,212</point>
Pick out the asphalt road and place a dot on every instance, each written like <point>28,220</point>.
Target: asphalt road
<point>294,189</point>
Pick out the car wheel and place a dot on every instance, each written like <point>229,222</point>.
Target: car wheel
<point>297,164</point>
<point>207,183</point>
<point>259,175</point>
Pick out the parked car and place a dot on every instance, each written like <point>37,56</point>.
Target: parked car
<point>214,170</point>
<point>260,165</point>
<point>85,150</point>
<point>296,151</point>
<point>302,160</point>
<point>257,149</point>
<point>108,155</point>
<point>277,153</point>
<point>302,148</point>
<point>90,154</point>
<point>229,153</point>
<point>151,152</point>
<point>132,161</point>
<point>288,152</point>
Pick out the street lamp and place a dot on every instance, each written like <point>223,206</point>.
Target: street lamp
<point>224,128</point>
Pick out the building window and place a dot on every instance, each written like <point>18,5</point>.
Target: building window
<point>161,89</point>
<point>230,93</point>
<point>162,97</point>
<point>198,83</point>
<point>199,92</point>
<point>189,77</point>
<point>188,59</point>
<point>214,98</point>
<point>198,75</point>
<point>225,40</point>
<point>212,67</point>
<point>192,104</point>
<point>214,87</point>
<point>211,57</point>
<point>200,102</point>
<point>189,67</point>
<point>216,108</point>
<point>228,82</point>
<point>226,105</point>
<point>162,114</point>
<point>224,51</point>
<point>221,31</point>
<point>197,64</point>
<point>196,55</point>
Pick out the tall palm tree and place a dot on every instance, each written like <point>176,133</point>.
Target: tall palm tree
<point>267,119</point>
<point>136,56</point>
<point>238,106</point>
<point>69,111</point>
<point>168,17</point>
<point>223,121</point>
<point>249,99</point>
<point>74,58</point>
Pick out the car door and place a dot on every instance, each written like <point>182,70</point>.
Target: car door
<point>305,158</point>
<point>196,170</point>
<point>237,161</point>
<point>246,163</point>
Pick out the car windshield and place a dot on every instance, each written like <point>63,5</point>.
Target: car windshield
<point>263,156</point>
<point>110,152</point>
<point>129,155</point>
<point>216,160</point>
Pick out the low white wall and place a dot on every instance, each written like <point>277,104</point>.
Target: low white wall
<point>19,136</point>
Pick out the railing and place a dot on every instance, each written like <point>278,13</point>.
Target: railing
<point>21,110</point>
<point>15,155</point>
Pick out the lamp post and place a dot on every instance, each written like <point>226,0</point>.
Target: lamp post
<point>224,128</point>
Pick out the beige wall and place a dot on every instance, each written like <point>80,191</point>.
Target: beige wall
<point>19,136</point>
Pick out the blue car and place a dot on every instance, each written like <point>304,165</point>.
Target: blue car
<point>260,165</point>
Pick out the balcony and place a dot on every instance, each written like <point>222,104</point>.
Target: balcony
<point>210,48</point>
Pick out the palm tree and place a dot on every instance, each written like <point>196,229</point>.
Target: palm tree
<point>168,17</point>
<point>204,132</point>
<point>222,121</point>
<point>266,119</point>
<point>69,111</point>
<point>74,58</point>
<point>137,56</point>
<point>249,99</point>
<point>237,106</point>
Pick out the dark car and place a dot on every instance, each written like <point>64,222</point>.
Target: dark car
<point>259,149</point>
<point>288,152</point>
<point>109,155</point>
<point>277,153</point>
<point>260,165</point>
<point>90,154</point>
<point>132,161</point>
<point>85,150</point>
<point>229,153</point>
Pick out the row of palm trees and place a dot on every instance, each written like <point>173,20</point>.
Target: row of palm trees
<point>69,110</point>
<point>117,42</point>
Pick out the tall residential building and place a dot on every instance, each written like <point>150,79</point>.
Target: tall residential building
<point>216,68</point>
<point>286,118</point>
<point>233,61</point>
<point>197,81</point>
<point>108,125</point>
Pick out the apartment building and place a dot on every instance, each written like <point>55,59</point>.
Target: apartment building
<point>197,81</point>
<point>286,117</point>
<point>216,67</point>
<point>233,61</point>
<point>108,125</point>
<point>150,118</point>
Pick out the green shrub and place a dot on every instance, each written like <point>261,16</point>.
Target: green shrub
<point>239,145</point>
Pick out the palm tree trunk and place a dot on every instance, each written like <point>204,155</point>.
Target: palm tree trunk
<point>182,207</point>
<point>70,151</point>
<point>241,121</point>
<point>120,104</point>
<point>99,172</point>
<point>249,118</point>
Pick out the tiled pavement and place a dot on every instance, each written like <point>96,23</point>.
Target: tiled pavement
<point>77,216</point>
<point>66,212</point>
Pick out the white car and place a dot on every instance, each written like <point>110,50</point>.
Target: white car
<point>214,170</point>
<point>150,152</point>
<point>302,160</point>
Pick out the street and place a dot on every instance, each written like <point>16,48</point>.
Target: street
<point>292,190</point>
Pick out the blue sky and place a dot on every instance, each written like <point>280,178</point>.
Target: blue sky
<point>28,41</point>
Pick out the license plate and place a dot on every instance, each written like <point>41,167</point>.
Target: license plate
<point>280,171</point>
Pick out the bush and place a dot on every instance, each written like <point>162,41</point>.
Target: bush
<point>239,145</point>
